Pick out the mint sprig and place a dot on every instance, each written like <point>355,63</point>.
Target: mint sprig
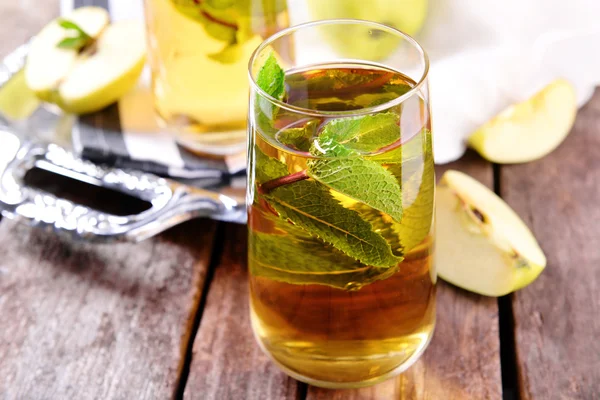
<point>283,259</point>
<point>78,38</point>
<point>341,166</point>
<point>310,205</point>
<point>232,22</point>
<point>365,134</point>
<point>338,231</point>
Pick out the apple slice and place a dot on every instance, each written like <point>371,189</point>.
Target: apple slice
<point>529,130</point>
<point>482,245</point>
<point>47,64</point>
<point>112,69</point>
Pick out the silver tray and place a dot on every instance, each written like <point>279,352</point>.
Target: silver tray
<point>171,202</point>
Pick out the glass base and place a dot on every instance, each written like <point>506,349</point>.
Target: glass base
<point>378,367</point>
<point>218,143</point>
<point>203,140</point>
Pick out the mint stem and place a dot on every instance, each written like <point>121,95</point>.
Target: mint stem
<point>284,180</point>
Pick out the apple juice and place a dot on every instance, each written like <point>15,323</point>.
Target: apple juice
<point>342,280</point>
<point>199,52</point>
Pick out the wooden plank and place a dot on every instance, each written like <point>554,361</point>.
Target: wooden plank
<point>462,361</point>
<point>227,362</point>
<point>556,318</point>
<point>82,321</point>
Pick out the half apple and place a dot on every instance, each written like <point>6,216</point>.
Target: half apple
<point>482,245</point>
<point>87,79</point>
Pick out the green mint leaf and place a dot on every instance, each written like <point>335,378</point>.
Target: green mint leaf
<point>365,134</point>
<point>271,78</point>
<point>338,82</point>
<point>418,195</point>
<point>310,206</point>
<point>382,225</point>
<point>75,43</point>
<point>414,150</point>
<point>298,138</point>
<point>221,20</point>
<point>363,180</point>
<point>342,168</point>
<point>73,26</point>
<point>308,261</point>
<point>397,89</point>
<point>267,168</point>
<point>417,177</point>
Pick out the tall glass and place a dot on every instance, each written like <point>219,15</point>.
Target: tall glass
<point>199,52</point>
<point>340,203</point>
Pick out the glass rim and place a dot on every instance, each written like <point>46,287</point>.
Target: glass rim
<point>329,114</point>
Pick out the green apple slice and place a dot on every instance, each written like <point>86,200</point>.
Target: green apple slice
<point>482,244</point>
<point>47,64</point>
<point>101,78</point>
<point>529,130</point>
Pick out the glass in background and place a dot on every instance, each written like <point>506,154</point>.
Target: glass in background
<point>199,52</point>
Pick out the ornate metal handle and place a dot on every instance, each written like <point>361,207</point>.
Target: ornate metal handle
<point>171,202</point>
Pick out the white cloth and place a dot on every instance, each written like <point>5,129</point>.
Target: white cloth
<point>487,55</point>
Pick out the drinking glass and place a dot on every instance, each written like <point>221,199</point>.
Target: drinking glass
<point>340,202</point>
<point>199,52</point>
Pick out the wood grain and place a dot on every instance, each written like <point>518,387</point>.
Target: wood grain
<point>227,363</point>
<point>462,362</point>
<point>82,321</point>
<point>556,318</point>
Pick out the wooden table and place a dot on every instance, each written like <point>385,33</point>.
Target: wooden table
<point>169,317</point>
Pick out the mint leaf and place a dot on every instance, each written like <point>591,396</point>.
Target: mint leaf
<point>418,216</point>
<point>417,177</point>
<point>365,134</point>
<point>381,224</point>
<point>338,82</point>
<point>412,151</point>
<point>398,89</point>
<point>75,43</point>
<point>418,197</point>
<point>267,168</point>
<point>342,168</point>
<point>228,21</point>
<point>298,138</point>
<point>64,23</point>
<point>311,206</point>
<point>360,179</point>
<point>271,78</point>
<point>285,259</point>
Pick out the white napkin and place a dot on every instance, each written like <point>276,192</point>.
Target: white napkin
<point>487,55</point>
